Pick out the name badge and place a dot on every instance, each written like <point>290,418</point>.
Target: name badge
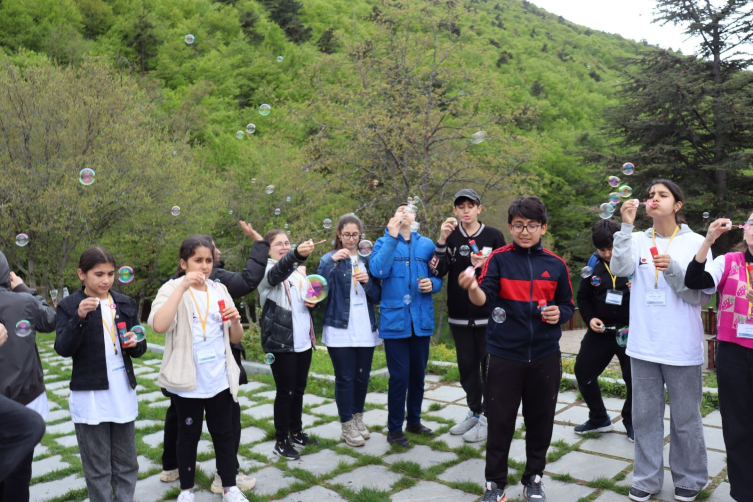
<point>745,331</point>
<point>614,297</point>
<point>358,304</point>
<point>206,355</point>
<point>656,297</point>
<point>118,369</point>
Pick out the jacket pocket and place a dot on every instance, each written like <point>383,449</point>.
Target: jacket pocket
<point>399,268</point>
<point>392,315</point>
<point>427,314</point>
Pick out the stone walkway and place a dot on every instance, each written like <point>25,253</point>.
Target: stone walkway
<point>441,469</point>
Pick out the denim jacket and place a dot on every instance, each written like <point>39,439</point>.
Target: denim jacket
<point>339,275</point>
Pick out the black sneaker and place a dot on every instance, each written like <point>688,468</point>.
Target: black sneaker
<point>285,449</point>
<point>398,438</point>
<point>493,494</point>
<point>534,492</point>
<point>419,429</point>
<point>302,439</point>
<point>685,495</point>
<point>592,427</point>
<point>639,495</point>
<point>630,432</point>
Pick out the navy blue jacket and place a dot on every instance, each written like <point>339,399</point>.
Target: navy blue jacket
<point>339,275</point>
<point>515,279</point>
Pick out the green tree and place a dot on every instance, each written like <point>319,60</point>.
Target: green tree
<point>328,43</point>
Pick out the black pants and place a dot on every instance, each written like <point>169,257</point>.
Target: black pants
<point>537,384</point>
<point>470,346</point>
<point>290,371</point>
<point>20,431</point>
<point>170,441</point>
<point>596,352</point>
<point>190,418</point>
<point>734,370</point>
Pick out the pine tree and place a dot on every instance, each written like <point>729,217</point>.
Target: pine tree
<point>328,43</point>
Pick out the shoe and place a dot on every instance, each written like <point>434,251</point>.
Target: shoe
<point>534,492</point>
<point>685,495</point>
<point>358,417</point>
<point>173,475</point>
<point>242,481</point>
<point>233,494</point>
<point>398,438</point>
<point>469,423</point>
<point>302,439</point>
<point>639,495</point>
<point>478,433</point>
<point>186,496</point>
<point>285,449</point>
<point>630,433</point>
<point>419,429</point>
<point>591,427</point>
<point>350,434</point>
<point>492,493</point>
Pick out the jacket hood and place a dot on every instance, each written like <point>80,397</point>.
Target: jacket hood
<point>4,272</point>
<point>684,229</point>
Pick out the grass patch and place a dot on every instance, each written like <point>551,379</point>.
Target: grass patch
<point>565,478</point>
<point>468,487</point>
<point>407,467</point>
<point>370,495</point>
<point>435,407</point>
<point>403,483</point>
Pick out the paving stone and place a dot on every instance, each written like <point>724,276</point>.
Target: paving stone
<point>452,412</point>
<point>455,441</point>
<point>150,376</point>
<point>154,439</point>
<point>376,477</point>
<point>721,494</point>
<point>62,428</point>
<point>433,378</point>
<point>714,438</point>
<point>611,497</point>
<point>140,388</point>
<point>245,402</point>
<point>714,418</point>
<point>446,393</point>
<point>269,394</point>
<point>151,396</point>
<point>252,386</point>
<point>613,404</point>
<point>160,404</point>
<point>376,398</point>
<point>308,420</point>
<point>575,415</point>
<point>471,470</point>
<point>204,446</point>
<point>153,362</point>
<point>271,479</point>
<point>559,407</point>
<point>56,488</point>
<point>265,449</point>
<point>252,435</point>
<point>567,397</point>
<point>422,455</point>
<point>518,450</point>
<point>555,490</point>
<point>331,430</point>
<point>434,492</point>
<point>323,462</point>
<point>313,400</point>
<point>143,424</point>
<point>56,415</point>
<point>562,433</point>
<point>67,441</point>
<point>152,489</point>
<point>57,385</point>
<point>50,464</point>
<point>587,467</point>
<point>62,392</point>
<point>615,445</point>
<point>375,418</point>
<point>209,467</point>
<point>376,445</point>
<point>142,369</point>
<point>145,463</point>
<point>205,496</point>
<point>40,450</point>
<point>263,411</point>
<point>52,405</point>
<point>314,493</point>
<point>326,409</point>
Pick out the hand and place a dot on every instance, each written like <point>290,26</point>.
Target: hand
<point>628,211</point>
<point>446,229</point>
<point>716,229</point>
<point>310,304</point>
<point>15,280</point>
<point>661,262</point>
<point>361,276</point>
<point>87,305</point>
<point>341,254</point>
<point>478,260</point>
<point>597,325</point>
<point>467,281</point>
<point>231,313</point>
<point>249,231</point>
<point>630,285</point>
<point>193,280</point>
<point>748,296</point>
<point>425,285</point>
<point>3,335</point>
<point>306,248</point>
<point>394,225</point>
<point>131,342</point>
<point>551,314</point>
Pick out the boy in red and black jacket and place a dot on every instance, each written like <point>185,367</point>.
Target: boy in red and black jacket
<point>522,341</point>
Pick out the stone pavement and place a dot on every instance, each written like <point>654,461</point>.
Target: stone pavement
<point>441,469</point>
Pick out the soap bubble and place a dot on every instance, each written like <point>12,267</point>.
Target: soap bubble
<point>230,212</point>
<point>269,358</point>
<point>614,198</point>
<point>628,168</point>
<point>317,290</point>
<point>287,199</point>
<point>286,226</point>
<point>706,215</point>
<point>374,183</point>
<point>139,331</point>
<point>595,281</point>
<point>253,180</point>
<point>416,199</point>
<point>270,189</point>
<point>86,176</point>
<point>327,223</point>
<point>189,39</point>
<point>412,208</point>
<point>239,134</point>
<point>365,248</point>
<point>606,208</point>
<point>410,201</point>
<point>265,110</point>
<point>175,211</point>
<point>407,299</point>
<point>479,137</point>
<point>622,336</point>
<point>277,211</point>
<point>251,128</point>
<point>175,152</point>
<point>22,240</point>
<point>125,274</point>
<point>464,250</point>
<point>605,215</point>
<point>625,191</point>
<point>23,328</point>
<point>415,226</point>
<point>614,181</point>
<point>588,67</point>
<point>586,272</point>
<point>295,266</point>
<point>499,315</point>
<point>279,59</point>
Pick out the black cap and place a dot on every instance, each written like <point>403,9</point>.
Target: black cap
<point>468,194</point>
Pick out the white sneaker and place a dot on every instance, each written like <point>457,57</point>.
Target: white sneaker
<point>186,496</point>
<point>478,433</point>
<point>464,426</point>
<point>242,481</point>
<point>233,494</point>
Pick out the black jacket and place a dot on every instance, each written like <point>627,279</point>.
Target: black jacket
<point>21,377</point>
<point>83,340</point>
<point>592,300</point>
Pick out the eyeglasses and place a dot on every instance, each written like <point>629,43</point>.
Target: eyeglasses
<point>350,236</point>
<point>531,227</point>
<point>281,244</point>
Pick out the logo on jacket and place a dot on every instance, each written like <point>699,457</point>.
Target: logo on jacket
<point>545,274</point>
<point>644,261</point>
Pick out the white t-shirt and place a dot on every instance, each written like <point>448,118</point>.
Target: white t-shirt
<point>40,405</point>
<point>301,319</point>
<point>118,403</point>
<point>358,333</point>
<point>208,355</point>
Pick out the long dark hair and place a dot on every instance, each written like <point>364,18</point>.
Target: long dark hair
<point>188,249</point>
<point>676,193</point>
<point>347,219</point>
<point>93,256</point>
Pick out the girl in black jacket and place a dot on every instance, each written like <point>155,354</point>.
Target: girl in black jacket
<point>103,403</point>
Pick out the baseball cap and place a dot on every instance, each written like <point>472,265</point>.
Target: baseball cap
<point>468,194</point>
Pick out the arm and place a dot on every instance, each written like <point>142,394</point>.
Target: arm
<point>488,282</point>
<point>283,268</point>
<point>242,283</point>
<point>327,267</point>
<point>44,315</point>
<point>440,261</point>
<point>623,252</point>
<point>675,277</point>
<point>69,330</point>
<point>165,306</point>
<point>563,296</point>
<point>382,256</point>
<point>436,284</point>
<point>586,304</point>
<point>698,275</point>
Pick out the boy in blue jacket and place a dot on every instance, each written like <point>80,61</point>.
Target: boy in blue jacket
<point>406,321</point>
<point>528,291</point>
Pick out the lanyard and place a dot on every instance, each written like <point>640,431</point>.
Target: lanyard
<point>111,323</point>
<point>653,238</point>
<point>198,312</point>
<point>355,271</point>
<point>748,268</point>
<point>614,277</point>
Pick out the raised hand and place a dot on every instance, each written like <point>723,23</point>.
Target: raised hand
<point>551,314</point>
<point>446,229</point>
<point>629,210</point>
<point>394,225</point>
<point>661,262</point>
<point>717,228</point>
<point>306,248</point>
<point>249,231</point>
<point>361,277</point>
<point>341,254</point>
<point>87,305</point>
<point>193,280</point>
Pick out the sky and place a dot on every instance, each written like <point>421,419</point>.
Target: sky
<point>629,18</point>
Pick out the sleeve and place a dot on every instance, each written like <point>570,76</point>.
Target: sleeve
<point>373,290</point>
<point>240,284</point>
<point>705,278</point>
<point>489,280</point>
<point>327,267</point>
<point>440,263</point>
<point>381,257</point>
<point>624,252</point>
<point>44,315</point>
<point>162,296</point>
<point>69,330</point>
<point>283,268</point>
<point>586,304</point>
<point>436,281</point>
<point>675,277</point>
<point>563,296</point>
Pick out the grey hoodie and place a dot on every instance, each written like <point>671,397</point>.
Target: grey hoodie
<point>21,377</point>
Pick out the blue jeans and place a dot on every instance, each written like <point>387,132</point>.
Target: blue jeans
<point>406,362</point>
<point>352,371</point>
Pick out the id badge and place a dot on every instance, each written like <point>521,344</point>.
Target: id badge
<point>118,369</point>
<point>614,297</point>
<point>358,304</point>
<point>745,331</point>
<point>206,355</point>
<point>656,297</point>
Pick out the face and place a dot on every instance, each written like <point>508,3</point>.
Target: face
<point>523,234</point>
<point>661,202</point>
<point>467,211</point>
<point>202,261</point>
<point>279,247</point>
<point>350,235</point>
<point>407,216</point>
<point>99,279</point>
<point>605,253</point>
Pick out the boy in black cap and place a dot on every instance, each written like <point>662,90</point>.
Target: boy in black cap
<point>454,255</point>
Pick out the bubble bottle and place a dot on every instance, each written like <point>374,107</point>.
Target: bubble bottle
<point>474,247</point>
<point>221,304</point>
<point>542,306</point>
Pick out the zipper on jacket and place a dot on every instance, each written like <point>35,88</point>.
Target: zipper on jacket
<point>530,307</point>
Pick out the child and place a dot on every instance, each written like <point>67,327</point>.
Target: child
<point>350,327</point>
<point>103,401</point>
<point>665,343</point>
<point>729,274</point>
<point>198,368</point>
<point>401,260</point>
<point>604,304</point>
<point>528,290</point>
<point>21,377</point>
<point>287,332</point>
<point>467,321</point>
